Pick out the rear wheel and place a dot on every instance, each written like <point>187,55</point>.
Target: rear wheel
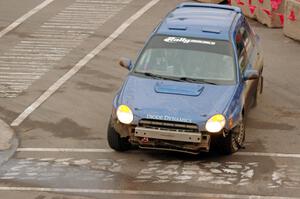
<point>234,140</point>
<point>116,142</point>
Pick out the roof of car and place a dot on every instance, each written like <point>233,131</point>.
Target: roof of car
<point>199,20</point>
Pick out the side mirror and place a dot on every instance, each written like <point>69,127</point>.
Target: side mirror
<point>125,63</point>
<point>251,75</point>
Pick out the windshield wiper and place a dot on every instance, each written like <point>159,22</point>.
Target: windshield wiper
<point>188,79</point>
<point>152,75</point>
<point>156,76</point>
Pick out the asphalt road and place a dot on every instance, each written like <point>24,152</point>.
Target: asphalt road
<point>72,122</point>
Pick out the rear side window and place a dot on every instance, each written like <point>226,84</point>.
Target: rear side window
<point>244,46</point>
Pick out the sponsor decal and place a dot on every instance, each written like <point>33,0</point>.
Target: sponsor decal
<point>184,40</point>
<point>168,118</point>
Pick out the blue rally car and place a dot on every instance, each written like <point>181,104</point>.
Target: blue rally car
<point>192,84</point>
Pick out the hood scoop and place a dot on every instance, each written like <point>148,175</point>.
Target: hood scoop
<point>179,89</point>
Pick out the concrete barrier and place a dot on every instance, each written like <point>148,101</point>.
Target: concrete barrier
<point>292,19</point>
<point>270,12</point>
<point>270,18</point>
<point>272,5</point>
<point>247,7</point>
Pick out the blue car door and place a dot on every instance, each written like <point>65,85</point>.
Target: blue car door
<point>247,58</point>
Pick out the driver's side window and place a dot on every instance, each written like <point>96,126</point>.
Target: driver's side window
<point>241,50</point>
<point>244,45</point>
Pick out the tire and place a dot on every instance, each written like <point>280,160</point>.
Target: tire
<point>234,140</point>
<point>115,141</point>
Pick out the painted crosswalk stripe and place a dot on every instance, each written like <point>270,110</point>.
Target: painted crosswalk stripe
<point>25,17</point>
<point>281,155</point>
<point>53,40</point>
<point>93,150</point>
<point>143,192</point>
<point>82,63</point>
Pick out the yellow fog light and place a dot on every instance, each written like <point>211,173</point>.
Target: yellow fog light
<point>124,114</point>
<point>216,123</point>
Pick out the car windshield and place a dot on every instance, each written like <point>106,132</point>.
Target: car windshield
<point>187,59</point>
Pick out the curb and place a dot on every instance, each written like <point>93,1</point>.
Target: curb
<point>8,142</point>
<point>6,135</point>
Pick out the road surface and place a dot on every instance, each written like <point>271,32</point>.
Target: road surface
<point>63,152</point>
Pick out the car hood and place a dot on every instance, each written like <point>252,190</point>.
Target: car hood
<point>173,100</point>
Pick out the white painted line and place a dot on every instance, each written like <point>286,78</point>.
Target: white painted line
<point>31,58</point>
<point>9,92</point>
<point>40,41</point>
<point>25,17</point>
<point>44,46</point>
<point>12,89</point>
<point>82,36</point>
<point>71,27</point>
<point>15,80</point>
<point>65,150</point>
<point>20,74</point>
<point>80,19</point>
<point>55,40</point>
<point>74,23</point>
<point>38,51</point>
<point>92,150</point>
<point>146,193</point>
<point>50,47</point>
<point>23,78</point>
<point>33,42</point>
<point>82,63</point>
<point>74,32</point>
<point>280,155</point>
<point>14,83</point>
<point>24,69</point>
<point>94,10</point>
<point>34,66</point>
<point>72,14</point>
<point>30,55</point>
<point>10,95</point>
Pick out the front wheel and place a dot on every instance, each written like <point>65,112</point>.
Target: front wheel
<point>115,141</point>
<point>234,140</point>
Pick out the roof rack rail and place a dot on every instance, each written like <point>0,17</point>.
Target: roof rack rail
<point>209,5</point>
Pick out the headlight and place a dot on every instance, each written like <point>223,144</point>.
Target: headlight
<point>124,114</point>
<point>216,123</point>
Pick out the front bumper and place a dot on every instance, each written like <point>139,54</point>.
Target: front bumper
<point>161,134</point>
<point>170,140</point>
<point>164,139</point>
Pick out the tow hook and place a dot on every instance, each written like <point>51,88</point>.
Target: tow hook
<point>145,140</point>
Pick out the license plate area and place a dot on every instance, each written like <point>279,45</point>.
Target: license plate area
<point>168,135</point>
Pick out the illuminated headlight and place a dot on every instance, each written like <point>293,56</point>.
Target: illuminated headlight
<point>216,123</point>
<point>124,114</point>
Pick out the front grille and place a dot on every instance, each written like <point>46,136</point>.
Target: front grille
<point>168,125</point>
